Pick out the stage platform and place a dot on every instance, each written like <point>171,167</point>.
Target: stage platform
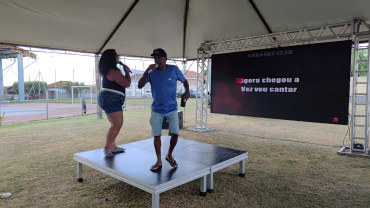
<point>195,159</point>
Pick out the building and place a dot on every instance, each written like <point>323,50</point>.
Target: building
<point>56,91</point>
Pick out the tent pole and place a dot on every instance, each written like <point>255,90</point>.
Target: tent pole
<point>98,87</point>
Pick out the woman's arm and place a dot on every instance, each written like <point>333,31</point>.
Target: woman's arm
<point>117,76</point>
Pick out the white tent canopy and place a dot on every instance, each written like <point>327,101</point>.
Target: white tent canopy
<point>136,27</point>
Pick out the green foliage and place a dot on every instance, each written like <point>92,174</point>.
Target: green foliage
<point>362,66</point>
<point>30,85</point>
<point>2,116</point>
<point>68,86</point>
<point>15,87</point>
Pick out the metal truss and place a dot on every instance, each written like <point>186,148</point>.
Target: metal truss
<point>360,116</point>
<point>327,33</point>
<point>202,90</point>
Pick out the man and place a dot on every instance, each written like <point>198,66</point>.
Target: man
<point>163,80</point>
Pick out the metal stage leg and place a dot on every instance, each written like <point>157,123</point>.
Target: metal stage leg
<point>210,183</point>
<point>79,172</point>
<point>203,186</point>
<point>155,200</point>
<point>242,168</point>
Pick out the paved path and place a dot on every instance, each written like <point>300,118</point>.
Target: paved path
<point>25,112</point>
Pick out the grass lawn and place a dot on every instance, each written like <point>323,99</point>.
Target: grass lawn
<point>290,164</point>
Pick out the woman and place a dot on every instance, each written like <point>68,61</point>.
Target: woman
<point>112,96</point>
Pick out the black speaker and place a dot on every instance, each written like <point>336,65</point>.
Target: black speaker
<point>166,125</point>
<point>181,118</point>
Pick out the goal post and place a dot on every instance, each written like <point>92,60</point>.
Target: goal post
<point>90,92</point>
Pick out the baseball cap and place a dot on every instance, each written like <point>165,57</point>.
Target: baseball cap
<point>159,52</point>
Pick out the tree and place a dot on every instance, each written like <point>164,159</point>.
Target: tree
<point>15,87</point>
<point>68,86</point>
<point>362,66</point>
<point>30,86</point>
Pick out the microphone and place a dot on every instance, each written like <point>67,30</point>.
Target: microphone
<point>148,71</point>
<point>120,63</point>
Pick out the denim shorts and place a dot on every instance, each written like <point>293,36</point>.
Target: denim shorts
<point>156,120</point>
<point>110,102</point>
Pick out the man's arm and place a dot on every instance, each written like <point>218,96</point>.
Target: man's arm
<point>186,94</point>
<point>142,81</point>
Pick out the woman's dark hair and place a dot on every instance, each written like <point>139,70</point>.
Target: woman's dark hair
<point>107,61</point>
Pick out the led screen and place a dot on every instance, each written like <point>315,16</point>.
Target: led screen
<point>303,83</point>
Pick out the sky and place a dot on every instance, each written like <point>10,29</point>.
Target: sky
<point>51,66</point>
